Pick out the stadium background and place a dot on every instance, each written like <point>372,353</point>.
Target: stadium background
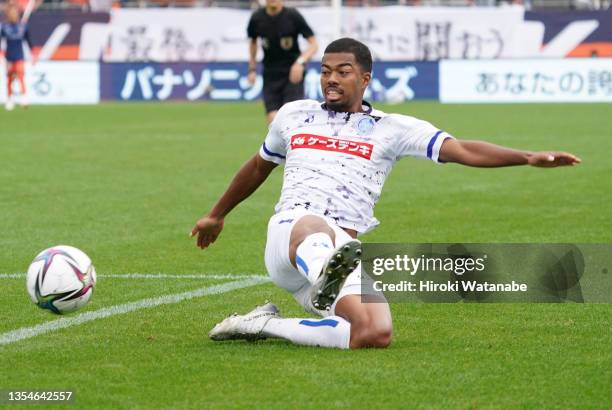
<point>432,53</point>
<point>89,165</point>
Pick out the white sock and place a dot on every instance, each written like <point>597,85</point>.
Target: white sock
<point>333,331</point>
<point>312,253</point>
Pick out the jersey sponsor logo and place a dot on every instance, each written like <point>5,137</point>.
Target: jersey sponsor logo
<point>359,149</point>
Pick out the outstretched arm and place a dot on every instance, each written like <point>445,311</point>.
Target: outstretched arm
<point>252,174</point>
<point>484,154</point>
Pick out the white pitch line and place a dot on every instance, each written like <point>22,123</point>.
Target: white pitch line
<point>152,276</point>
<point>53,325</point>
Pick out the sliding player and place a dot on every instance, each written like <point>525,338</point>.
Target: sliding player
<point>16,33</point>
<point>337,156</point>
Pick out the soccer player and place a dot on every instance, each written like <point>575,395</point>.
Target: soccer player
<point>15,33</point>
<point>283,65</point>
<point>336,156</point>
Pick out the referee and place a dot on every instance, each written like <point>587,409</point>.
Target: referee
<point>283,64</point>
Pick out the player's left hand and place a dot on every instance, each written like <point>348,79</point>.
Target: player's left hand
<point>553,159</point>
<point>296,73</point>
<point>252,77</point>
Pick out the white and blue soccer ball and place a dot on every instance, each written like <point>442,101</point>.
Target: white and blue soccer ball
<point>61,279</point>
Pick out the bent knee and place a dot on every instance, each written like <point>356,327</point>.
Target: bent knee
<point>370,336</point>
<point>307,225</point>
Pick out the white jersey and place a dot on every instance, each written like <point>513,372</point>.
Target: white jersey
<point>336,163</point>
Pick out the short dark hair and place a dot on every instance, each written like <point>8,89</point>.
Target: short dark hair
<point>358,49</point>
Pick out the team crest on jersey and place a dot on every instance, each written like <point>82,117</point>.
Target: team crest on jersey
<point>366,125</point>
<point>286,43</point>
<point>320,142</point>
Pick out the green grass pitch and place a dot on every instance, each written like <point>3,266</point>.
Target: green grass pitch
<point>126,182</point>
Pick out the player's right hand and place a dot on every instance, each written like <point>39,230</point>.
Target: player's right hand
<point>207,229</point>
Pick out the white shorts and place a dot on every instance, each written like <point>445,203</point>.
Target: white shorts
<point>285,275</point>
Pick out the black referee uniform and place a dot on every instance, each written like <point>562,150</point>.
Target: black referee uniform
<point>279,38</point>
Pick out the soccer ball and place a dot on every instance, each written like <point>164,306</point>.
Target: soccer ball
<point>61,279</point>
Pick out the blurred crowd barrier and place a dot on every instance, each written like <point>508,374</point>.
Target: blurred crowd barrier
<point>106,5</point>
<point>393,33</point>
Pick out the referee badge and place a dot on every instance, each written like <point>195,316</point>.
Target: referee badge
<point>286,43</point>
<point>365,125</point>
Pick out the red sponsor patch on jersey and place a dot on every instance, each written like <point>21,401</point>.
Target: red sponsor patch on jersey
<point>312,141</point>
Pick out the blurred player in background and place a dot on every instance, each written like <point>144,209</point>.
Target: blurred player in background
<point>15,33</point>
<point>337,156</point>
<point>283,64</point>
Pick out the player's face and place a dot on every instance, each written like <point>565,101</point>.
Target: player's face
<point>274,3</point>
<point>12,15</point>
<point>343,82</point>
